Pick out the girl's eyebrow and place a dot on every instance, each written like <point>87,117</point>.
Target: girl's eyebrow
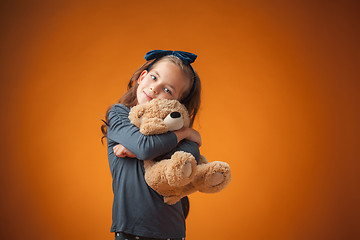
<point>171,86</point>
<point>156,72</point>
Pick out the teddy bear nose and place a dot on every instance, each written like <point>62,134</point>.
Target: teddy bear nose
<point>174,121</point>
<point>175,115</point>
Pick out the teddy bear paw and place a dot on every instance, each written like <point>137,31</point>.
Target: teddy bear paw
<point>216,179</point>
<point>186,169</point>
<point>180,171</point>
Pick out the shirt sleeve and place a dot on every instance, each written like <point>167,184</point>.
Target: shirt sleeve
<point>184,145</point>
<point>121,130</point>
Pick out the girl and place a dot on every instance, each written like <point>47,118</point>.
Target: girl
<point>138,211</point>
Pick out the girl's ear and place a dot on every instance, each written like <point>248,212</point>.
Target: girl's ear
<point>142,76</point>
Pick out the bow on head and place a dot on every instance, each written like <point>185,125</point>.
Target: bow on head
<point>186,57</point>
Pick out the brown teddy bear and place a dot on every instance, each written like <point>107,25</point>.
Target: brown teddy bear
<point>179,176</point>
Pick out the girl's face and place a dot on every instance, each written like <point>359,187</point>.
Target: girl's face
<point>165,80</point>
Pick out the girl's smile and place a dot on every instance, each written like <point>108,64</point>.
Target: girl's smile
<point>165,80</point>
<point>148,97</point>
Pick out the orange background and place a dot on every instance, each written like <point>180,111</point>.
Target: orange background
<point>280,105</point>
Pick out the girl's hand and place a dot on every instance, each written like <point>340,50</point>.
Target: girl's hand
<point>121,151</point>
<point>189,134</point>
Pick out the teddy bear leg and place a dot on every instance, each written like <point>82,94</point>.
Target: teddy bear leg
<point>166,175</point>
<point>212,177</point>
<point>155,177</point>
<point>179,194</point>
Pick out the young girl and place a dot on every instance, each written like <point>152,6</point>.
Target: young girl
<point>138,211</point>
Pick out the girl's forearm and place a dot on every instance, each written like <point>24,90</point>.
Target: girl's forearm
<point>181,134</point>
<point>189,134</point>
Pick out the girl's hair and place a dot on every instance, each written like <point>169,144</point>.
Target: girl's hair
<point>129,99</point>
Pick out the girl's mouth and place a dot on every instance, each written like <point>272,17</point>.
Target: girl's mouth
<point>147,96</point>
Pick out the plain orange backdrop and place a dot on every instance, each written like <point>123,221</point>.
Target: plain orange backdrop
<point>280,104</point>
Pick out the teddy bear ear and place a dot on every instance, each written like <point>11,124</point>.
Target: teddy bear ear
<point>135,114</point>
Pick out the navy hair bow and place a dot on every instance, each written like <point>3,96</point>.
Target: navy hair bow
<point>186,57</point>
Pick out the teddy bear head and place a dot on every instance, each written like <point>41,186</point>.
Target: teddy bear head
<point>159,116</point>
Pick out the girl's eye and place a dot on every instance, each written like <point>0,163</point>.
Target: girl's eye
<point>168,91</point>
<point>153,77</point>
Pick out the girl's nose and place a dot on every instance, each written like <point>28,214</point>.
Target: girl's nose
<point>153,89</point>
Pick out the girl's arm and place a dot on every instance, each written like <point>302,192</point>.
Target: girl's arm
<point>121,131</point>
<point>189,134</point>
<point>186,146</point>
<point>121,151</point>
<point>184,133</point>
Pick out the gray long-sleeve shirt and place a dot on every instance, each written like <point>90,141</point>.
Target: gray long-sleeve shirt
<point>137,209</point>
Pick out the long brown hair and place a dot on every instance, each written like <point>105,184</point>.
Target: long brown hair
<point>129,99</point>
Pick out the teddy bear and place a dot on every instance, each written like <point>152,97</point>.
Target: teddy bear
<point>180,175</point>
